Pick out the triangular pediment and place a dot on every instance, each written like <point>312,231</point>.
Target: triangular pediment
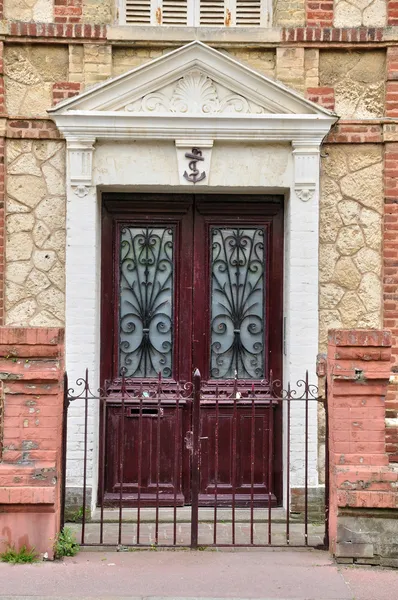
<point>193,80</point>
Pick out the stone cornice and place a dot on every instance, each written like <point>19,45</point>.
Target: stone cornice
<point>175,36</point>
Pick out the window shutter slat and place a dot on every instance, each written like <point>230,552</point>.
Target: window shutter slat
<point>248,12</point>
<point>212,12</point>
<point>138,12</point>
<point>174,12</point>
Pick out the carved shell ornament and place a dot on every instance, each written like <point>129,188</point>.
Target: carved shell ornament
<point>195,93</point>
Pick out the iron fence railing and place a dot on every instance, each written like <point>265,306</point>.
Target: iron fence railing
<point>198,464</point>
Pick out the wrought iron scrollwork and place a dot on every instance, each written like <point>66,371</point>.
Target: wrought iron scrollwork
<point>146,302</point>
<point>237,305</point>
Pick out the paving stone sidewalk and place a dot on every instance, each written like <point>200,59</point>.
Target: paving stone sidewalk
<point>272,574</point>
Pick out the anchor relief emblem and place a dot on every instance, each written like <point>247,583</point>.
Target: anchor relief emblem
<point>195,156</point>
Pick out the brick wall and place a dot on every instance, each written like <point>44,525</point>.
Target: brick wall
<point>68,11</point>
<point>62,90</point>
<point>392,12</point>
<point>322,95</point>
<point>319,13</point>
<point>361,480</point>
<point>31,378</point>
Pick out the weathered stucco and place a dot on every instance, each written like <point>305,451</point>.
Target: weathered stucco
<point>354,13</point>
<point>351,209</point>
<point>99,11</point>
<point>289,13</point>
<point>35,229</point>
<point>30,72</point>
<point>124,59</point>
<point>358,82</point>
<point>264,61</point>
<point>29,10</point>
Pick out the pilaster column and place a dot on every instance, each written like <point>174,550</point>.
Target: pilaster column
<point>301,297</point>
<point>83,284</point>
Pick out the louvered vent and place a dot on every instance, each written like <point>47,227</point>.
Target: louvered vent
<point>138,12</point>
<point>248,12</point>
<point>174,12</point>
<point>212,12</point>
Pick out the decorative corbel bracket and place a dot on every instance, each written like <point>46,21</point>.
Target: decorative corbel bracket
<point>306,170</point>
<point>193,161</point>
<point>80,164</point>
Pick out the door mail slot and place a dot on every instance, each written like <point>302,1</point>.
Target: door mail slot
<point>146,411</point>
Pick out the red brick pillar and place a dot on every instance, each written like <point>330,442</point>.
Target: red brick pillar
<point>390,251</point>
<point>361,481</point>
<point>31,379</point>
<point>2,184</point>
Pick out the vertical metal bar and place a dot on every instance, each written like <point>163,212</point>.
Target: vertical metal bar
<point>195,474</point>
<point>216,441</point>
<point>326,536</point>
<point>288,468</point>
<point>234,428</point>
<point>158,459</point>
<point>306,461</point>
<point>64,449</point>
<point>176,463</point>
<point>85,456</point>
<point>102,474</point>
<point>252,448</point>
<point>121,457</point>
<point>140,443</point>
<point>270,469</point>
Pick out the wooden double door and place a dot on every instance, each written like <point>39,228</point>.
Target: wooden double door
<point>191,282</point>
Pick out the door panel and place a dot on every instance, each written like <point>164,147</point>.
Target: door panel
<point>156,447</point>
<point>226,464</point>
<point>192,281</point>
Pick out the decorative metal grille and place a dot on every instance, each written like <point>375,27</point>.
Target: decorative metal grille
<point>146,301</point>
<point>237,303</point>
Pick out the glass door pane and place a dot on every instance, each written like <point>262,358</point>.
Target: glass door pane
<point>146,301</point>
<point>237,302</point>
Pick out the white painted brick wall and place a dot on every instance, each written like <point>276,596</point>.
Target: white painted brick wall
<point>82,329</point>
<point>301,312</point>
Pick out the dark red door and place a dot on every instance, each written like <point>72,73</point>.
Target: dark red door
<point>191,282</point>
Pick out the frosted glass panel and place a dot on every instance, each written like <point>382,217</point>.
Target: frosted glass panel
<point>146,301</point>
<point>237,303</point>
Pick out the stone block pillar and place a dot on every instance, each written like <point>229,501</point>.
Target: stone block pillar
<point>363,487</point>
<point>31,416</point>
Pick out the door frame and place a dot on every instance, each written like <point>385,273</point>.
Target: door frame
<point>180,208</point>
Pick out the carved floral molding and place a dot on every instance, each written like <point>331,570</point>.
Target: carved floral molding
<point>194,93</point>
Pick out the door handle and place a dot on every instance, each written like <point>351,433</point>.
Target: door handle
<point>189,440</point>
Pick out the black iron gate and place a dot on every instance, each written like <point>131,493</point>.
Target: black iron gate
<point>169,487</point>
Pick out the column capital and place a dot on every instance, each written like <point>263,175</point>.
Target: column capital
<point>80,162</point>
<point>306,168</point>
